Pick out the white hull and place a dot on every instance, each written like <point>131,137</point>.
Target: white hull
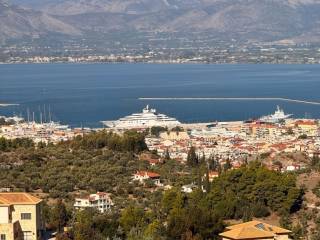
<point>278,116</point>
<point>148,118</point>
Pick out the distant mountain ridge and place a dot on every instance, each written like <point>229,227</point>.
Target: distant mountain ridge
<point>17,22</point>
<point>245,20</point>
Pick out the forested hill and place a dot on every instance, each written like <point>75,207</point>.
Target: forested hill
<point>106,162</point>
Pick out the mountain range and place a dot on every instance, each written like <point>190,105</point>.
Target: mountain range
<point>244,20</point>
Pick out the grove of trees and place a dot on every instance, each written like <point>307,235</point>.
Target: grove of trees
<point>105,161</point>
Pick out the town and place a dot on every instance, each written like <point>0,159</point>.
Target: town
<point>239,141</point>
<point>159,51</point>
<point>280,142</point>
<point>277,141</point>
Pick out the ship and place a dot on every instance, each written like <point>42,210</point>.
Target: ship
<point>146,119</point>
<point>278,116</point>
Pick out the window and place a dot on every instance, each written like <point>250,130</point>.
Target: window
<point>27,235</point>
<point>25,216</point>
<point>2,237</point>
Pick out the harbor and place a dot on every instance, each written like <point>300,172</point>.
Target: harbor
<point>233,141</point>
<point>39,132</point>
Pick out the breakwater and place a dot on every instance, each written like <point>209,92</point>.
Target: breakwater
<point>229,99</point>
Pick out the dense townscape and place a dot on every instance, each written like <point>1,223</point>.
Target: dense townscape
<point>167,181</point>
<point>211,52</point>
<point>147,175</point>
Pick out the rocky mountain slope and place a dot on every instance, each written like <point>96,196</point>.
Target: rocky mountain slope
<point>246,20</point>
<point>17,23</point>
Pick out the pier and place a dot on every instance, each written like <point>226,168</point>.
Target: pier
<point>229,99</point>
<point>7,104</point>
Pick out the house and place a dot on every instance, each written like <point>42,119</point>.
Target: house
<point>21,217</point>
<point>255,230</point>
<point>188,188</point>
<point>293,167</point>
<point>100,200</point>
<point>212,175</point>
<point>142,176</point>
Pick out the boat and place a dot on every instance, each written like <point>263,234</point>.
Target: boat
<point>277,117</point>
<point>146,119</point>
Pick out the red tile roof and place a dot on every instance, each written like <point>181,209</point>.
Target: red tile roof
<point>309,122</point>
<point>149,174</point>
<point>18,198</point>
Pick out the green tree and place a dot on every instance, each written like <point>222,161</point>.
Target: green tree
<point>132,218</point>
<point>156,130</point>
<point>167,154</point>
<point>227,165</point>
<point>84,227</point>
<point>59,216</point>
<point>192,158</point>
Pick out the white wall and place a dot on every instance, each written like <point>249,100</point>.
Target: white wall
<point>4,214</point>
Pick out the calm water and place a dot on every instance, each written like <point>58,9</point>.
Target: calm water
<point>84,94</point>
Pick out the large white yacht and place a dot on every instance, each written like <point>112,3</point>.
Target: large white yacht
<point>278,116</point>
<point>147,118</point>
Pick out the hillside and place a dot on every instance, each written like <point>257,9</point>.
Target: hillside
<point>103,161</point>
<point>18,23</point>
<point>243,20</point>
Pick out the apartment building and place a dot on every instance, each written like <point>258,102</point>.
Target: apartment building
<point>100,200</point>
<point>20,217</point>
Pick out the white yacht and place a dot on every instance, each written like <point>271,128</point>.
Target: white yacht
<point>278,116</point>
<point>147,118</point>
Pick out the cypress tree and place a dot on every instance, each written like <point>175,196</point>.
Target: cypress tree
<point>192,159</point>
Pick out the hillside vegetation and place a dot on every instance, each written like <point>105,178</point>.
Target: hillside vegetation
<point>106,161</point>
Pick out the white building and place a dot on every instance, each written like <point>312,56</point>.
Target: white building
<point>141,176</point>
<point>101,201</point>
<point>188,188</point>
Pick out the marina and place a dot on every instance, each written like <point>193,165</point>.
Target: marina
<point>190,93</point>
<point>39,132</point>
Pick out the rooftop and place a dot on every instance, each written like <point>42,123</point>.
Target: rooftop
<point>149,174</point>
<point>18,198</point>
<point>253,230</point>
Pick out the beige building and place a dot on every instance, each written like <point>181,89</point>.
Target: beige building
<point>255,230</point>
<point>20,217</point>
<point>175,136</point>
<point>310,128</point>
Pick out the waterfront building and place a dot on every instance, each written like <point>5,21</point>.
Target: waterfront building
<point>20,217</point>
<point>100,201</point>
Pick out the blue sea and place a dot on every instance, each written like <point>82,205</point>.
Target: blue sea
<point>85,94</point>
